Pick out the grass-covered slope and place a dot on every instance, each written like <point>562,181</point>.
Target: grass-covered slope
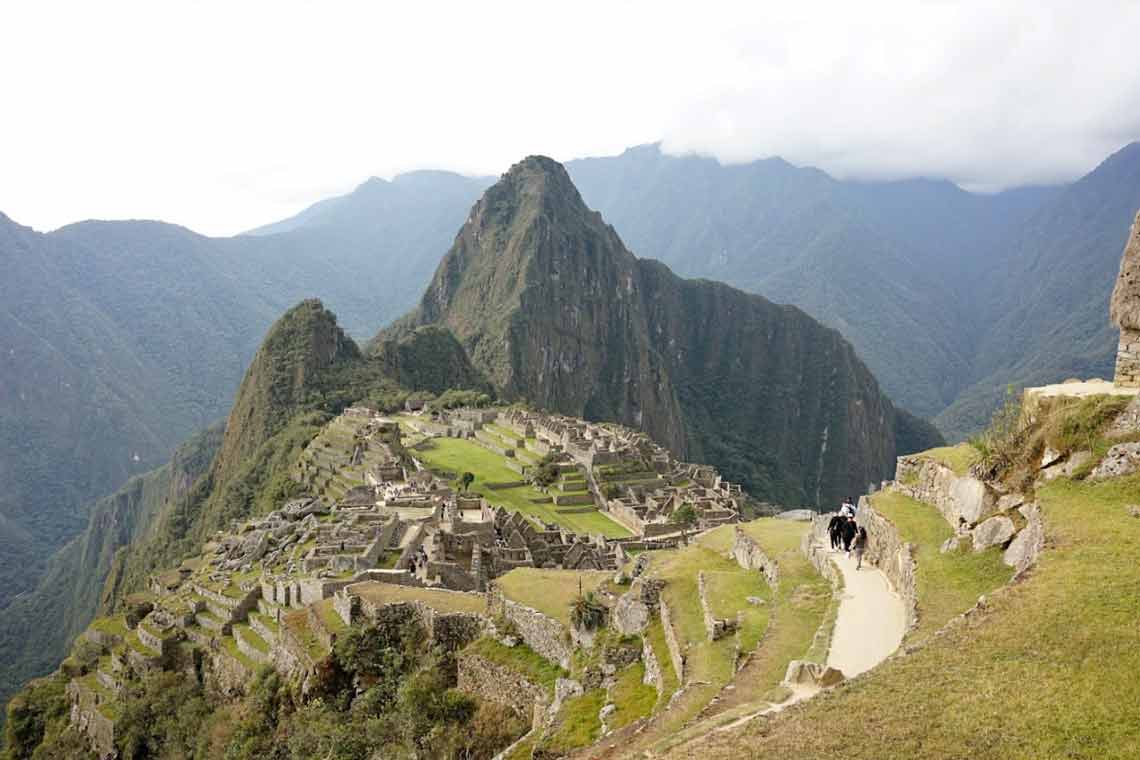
<point>1044,668</point>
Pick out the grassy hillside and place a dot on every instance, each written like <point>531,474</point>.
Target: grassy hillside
<point>1043,668</point>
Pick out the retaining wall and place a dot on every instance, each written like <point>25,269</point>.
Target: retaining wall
<point>895,557</point>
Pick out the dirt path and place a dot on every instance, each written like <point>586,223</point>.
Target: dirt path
<point>871,620</point>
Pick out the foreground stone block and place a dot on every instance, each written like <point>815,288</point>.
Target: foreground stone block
<point>1122,459</point>
<point>995,531</point>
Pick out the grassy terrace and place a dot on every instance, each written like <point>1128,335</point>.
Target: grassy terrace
<point>437,599</point>
<point>958,458</point>
<point>577,724</point>
<point>269,623</point>
<point>1048,670</point>
<point>457,456</point>
<point>549,591</point>
<point>251,637</point>
<point>332,622</point>
<point>634,700</point>
<point>232,650</point>
<point>655,637</point>
<point>522,659</point>
<point>107,704</point>
<point>132,640</point>
<point>781,630</point>
<point>112,626</point>
<point>297,623</point>
<point>948,584</point>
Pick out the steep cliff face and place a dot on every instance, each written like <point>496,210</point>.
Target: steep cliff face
<point>553,308</point>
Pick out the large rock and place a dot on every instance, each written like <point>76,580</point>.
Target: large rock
<point>1027,546</point>
<point>1121,459</point>
<point>802,672</point>
<point>1128,421</point>
<point>993,532</point>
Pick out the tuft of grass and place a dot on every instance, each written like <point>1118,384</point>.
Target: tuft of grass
<point>948,584</point>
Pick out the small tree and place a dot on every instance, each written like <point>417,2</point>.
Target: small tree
<point>465,480</point>
<point>587,612</point>
<point>685,516</point>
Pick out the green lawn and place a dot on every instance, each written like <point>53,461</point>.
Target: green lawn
<point>549,591</point>
<point>1048,670</point>
<point>458,456</point>
<point>948,584</point>
<point>958,458</point>
<point>577,724</point>
<point>632,698</point>
<point>437,599</point>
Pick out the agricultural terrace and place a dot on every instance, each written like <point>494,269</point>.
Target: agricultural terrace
<point>450,457</point>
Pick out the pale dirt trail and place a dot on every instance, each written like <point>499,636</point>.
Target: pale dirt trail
<point>869,627</point>
<point>871,620</point>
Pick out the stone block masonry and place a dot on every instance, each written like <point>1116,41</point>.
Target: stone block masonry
<point>1128,359</point>
<point>505,686</point>
<point>750,556</point>
<point>962,500</point>
<point>674,646</point>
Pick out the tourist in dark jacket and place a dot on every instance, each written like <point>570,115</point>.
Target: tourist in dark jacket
<point>849,531</point>
<point>833,531</point>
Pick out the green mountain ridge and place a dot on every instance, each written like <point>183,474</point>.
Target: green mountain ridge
<point>551,306</point>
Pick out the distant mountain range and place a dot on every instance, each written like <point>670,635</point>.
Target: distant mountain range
<point>122,338</point>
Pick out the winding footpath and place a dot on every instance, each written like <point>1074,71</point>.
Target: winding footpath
<point>869,627</point>
<point>871,620</point>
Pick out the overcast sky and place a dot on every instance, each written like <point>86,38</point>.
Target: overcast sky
<point>223,116</point>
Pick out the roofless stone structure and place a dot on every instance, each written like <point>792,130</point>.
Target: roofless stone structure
<point>1124,311</point>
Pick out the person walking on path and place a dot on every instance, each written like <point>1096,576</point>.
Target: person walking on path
<point>849,531</point>
<point>859,546</point>
<point>833,530</point>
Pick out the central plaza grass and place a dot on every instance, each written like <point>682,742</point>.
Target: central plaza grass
<point>948,584</point>
<point>1047,670</point>
<point>549,591</point>
<point>456,455</point>
<point>438,599</point>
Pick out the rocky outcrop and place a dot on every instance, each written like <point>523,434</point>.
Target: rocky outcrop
<point>1124,310</point>
<point>963,500</point>
<point>818,675</point>
<point>1027,545</point>
<point>636,607</point>
<point>1122,459</point>
<point>996,531</point>
<point>748,554</point>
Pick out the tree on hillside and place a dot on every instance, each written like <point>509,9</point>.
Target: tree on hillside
<point>685,516</point>
<point>465,480</point>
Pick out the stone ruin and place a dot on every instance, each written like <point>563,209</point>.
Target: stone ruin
<point>1124,311</point>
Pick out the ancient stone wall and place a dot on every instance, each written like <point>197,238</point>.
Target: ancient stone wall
<point>482,678</point>
<point>815,546</point>
<point>748,554</point>
<point>887,551</point>
<point>225,674</point>
<point>86,717</point>
<point>1128,360</point>
<point>675,653</point>
<point>541,633</point>
<point>716,628</point>
<point>962,500</point>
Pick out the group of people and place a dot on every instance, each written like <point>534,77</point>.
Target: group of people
<point>846,534</point>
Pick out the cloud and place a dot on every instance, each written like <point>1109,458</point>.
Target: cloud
<point>222,116</point>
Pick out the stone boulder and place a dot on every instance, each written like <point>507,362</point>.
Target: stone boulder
<point>995,531</point>
<point>1028,544</point>
<point>1121,459</point>
<point>1128,421</point>
<point>802,672</point>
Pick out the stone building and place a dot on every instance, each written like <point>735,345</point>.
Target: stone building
<point>1124,310</point>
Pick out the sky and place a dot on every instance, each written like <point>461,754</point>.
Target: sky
<point>222,116</point>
